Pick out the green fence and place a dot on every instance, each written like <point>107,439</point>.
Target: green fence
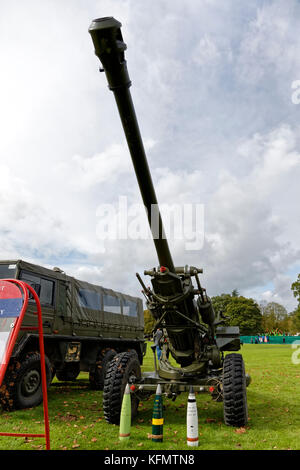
<point>271,339</point>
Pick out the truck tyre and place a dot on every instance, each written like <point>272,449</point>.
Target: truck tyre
<point>68,372</point>
<point>122,369</point>
<point>22,385</point>
<point>234,391</point>
<point>97,374</point>
<point>53,371</point>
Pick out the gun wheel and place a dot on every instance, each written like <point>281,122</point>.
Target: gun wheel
<point>234,391</point>
<point>123,368</point>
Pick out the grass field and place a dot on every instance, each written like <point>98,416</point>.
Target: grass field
<point>76,416</point>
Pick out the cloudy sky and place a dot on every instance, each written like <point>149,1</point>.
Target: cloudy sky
<point>215,91</point>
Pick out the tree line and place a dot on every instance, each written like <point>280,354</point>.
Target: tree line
<point>255,318</point>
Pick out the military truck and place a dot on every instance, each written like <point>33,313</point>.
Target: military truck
<point>84,327</point>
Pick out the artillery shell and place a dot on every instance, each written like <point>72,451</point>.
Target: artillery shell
<point>125,418</point>
<point>157,417</point>
<point>192,420</point>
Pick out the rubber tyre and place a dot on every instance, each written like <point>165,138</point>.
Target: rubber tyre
<point>123,366</point>
<point>53,372</point>
<point>22,386</point>
<point>234,391</point>
<point>98,372</point>
<point>69,372</point>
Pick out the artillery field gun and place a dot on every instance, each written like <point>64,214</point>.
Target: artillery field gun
<point>185,313</point>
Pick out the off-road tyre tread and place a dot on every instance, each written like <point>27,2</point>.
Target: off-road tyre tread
<point>9,396</point>
<point>234,391</point>
<point>118,372</point>
<point>97,373</point>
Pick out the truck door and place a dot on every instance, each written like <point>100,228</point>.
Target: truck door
<point>46,290</point>
<point>63,317</point>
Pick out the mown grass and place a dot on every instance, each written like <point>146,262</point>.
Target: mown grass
<point>77,422</point>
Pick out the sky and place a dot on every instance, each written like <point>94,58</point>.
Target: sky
<point>216,95</point>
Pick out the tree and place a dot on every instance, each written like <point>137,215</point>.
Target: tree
<point>294,322</point>
<point>296,314</point>
<point>239,311</point>
<point>220,303</point>
<point>244,313</point>
<point>149,322</point>
<point>274,315</point>
<point>296,289</point>
<point>235,293</point>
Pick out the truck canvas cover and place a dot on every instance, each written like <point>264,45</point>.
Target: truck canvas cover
<point>94,303</point>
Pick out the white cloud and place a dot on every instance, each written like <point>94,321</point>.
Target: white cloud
<point>269,45</point>
<point>100,168</point>
<point>25,225</point>
<point>206,52</point>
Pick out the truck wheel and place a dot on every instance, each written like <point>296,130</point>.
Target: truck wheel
<point>53,371</point>
<point>234,391</point>
<point>97,374</point>
<point>121,369</point>
<point>22,385</point>
<point>68,372</point>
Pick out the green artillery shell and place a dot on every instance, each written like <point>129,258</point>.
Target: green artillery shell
<point>125,418</point>
<point>157,417</point>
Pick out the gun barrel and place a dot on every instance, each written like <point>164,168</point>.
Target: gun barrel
<point>109,48</point>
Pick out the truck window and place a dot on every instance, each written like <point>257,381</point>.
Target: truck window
<point>43,287</point>
<point>47,290</point>
<point>130,308</point>
<point>89,299</point>
<point>111,304</point>
<point>7,271</point>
